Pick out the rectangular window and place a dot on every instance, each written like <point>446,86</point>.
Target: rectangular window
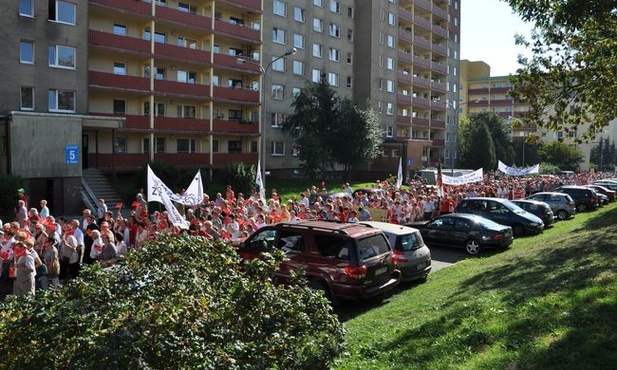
<point>349,82</point>
<point>334,55</point>
<point>27,98</point>
<point>350,12</point>
<point>119,106</point>
<point>315,75</point>
<point>279,8</point>
<point>317,51</point>
<point>298,67</point>
<point>26,8</point>
<point>120,29</point>
<point>186,111</point>
<point>62,56</point>
<point>298,41</point>
<point>389,131</point>
<point>119,68</point>
<point>278,148</point>
<point>234,114</point>
<point>62,12</point>
<point>61,101</point>
<point>278,35</point>
<point>391,19</point>
<point>350,35</point>
<point>185,145</point>
<point>146,145</point>
<point>119,144</point>
<point>279,65</point>
<point>335,6</point>
<point>161,145</point>
<point>391,41</point>
<point>159,110</point>
<point>299,14</point>
<point>187,43</point>
<point>317,25</point>
<point>333,79</point>
<point>160,74</point>
<point>296,91</point>
<point>389,86</point>
<point>234,146</point>
<point>349,58</point>
<point>187,77</point>
<point>278,92</point>
<point>187,8</point>
<point>318,3</point>
<point>335,30</point>
<point>389,109</point>
<point>26,51</point>
<point>277,120</point>
<point>215,146</point>
<point>390,63</point>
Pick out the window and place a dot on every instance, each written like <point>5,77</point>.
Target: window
<point>390,41</point>
<point>315,75</point>
<point>158,36</point>
<point>389,131</point>
<point>389,109</point>
<point>391,19</point>
<point>380,38</point>
<point>187,8</point>
<point>26,51</point>
<point>389,86</point>
<point>349,58</point>
<point>278,92</point>
<point>254,146</point>
<point>62,56</point>
<point>298,67</point>
<point>278,148</point>
<point>390,63</point>
<point>215,146</point>
<point>185,145</point>
<point>299,14</point>
<point>119,144</point>
<point>279,8</point>
<point>120,29</point>
<point>187,43</point>
<point>296,91</point>
<point>62,12</point>
<point>277,120</point>
<point>380,84</point>
<point>160,74</point>
<point>186,111</point>
<point>349,82</point>
<point>279,65</point>
<point>334,54</point>
<point>318,3</point>
<point>333,79</point>
<point>317,51</point>
<point>26,8</point>
<point>27,98</point>
<point>350,12</point>
<point>159,110</point>
<point>299,41</point>
<point>234,146</point>
<point>335,30</point>
<point>278,35</point>
<point>235,52</point>
<point>119,68</point>
<point>350,35</point>
<point>216,48</point>
<point>119,106</point>
<point>187,77</point>
<point>61,100</point>
<point>317,25</point>
<point>335,6</point>
<point>236,21</point>
<point>160,145</point>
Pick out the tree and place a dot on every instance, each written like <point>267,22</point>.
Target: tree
<point>327,130</point>
<point>479,148</point>
<point>565,156</point>
<point>603,154</point>
<point>500,132</point>
<point>569,80</point>
<point>180,302</point>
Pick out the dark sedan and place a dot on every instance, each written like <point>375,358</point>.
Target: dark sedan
<point>540,209</point>
<point>465,230</point>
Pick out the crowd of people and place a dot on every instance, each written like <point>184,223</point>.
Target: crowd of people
<point>39,251</point>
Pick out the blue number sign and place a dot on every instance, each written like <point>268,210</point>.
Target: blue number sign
<point>71,154</point>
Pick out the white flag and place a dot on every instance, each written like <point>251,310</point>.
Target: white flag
<point>399,178</point>
<point>174,216</point>
<point>156,187</point>
<point>260,183</point>
<point>194,194</point>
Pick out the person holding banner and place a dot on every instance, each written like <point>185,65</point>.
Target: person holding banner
<point>446,205</point>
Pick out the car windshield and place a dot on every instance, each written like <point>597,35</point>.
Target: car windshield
<point>513,207</point>
<point>411,241</point>
<point>372,246</point>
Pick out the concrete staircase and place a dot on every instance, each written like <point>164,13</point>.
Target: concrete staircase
<point>101,187</point>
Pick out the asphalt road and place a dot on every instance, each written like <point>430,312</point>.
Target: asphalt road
<point>444,257</point>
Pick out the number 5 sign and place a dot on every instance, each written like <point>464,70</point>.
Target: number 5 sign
<point>71,154</point>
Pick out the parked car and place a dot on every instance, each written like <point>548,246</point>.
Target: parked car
<point>369,192</point>
<point>346,261</point>
<point>413,257</point>
<point>466,230</point>
<point>604,190</point>
<point>503,212</point>
<point>585,198</point>
<point>562,204</point>
<point>538,208</point>
<point>610,184</point>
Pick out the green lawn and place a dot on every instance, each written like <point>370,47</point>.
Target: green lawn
<point>549,302</point>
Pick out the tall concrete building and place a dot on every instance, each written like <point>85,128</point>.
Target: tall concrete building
<point>194,83</point>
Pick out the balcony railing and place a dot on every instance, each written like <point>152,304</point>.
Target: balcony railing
<point>440,31</point>
<point>404,57</point>
<point>119,161</point>
<point>253,5</point>
<point>405,36</point>
<point>439,67</point>
<point>507,102</point>
<point>404,78</point>
<point>440,49</point>
<point>437,123</point>
<point>422,22</point>
<point>482,90</point>
<point>181,89</point>
<point>223,126</point>
<point>419,81</point>
<point>404,99</point>
<point>233,62</point>
<point>423,122</point>
<point>118,82</point>
<point>439,105</point>
<point>187,55</point>
<point>422,42</point>
<point>236,31</point>
<point>403,120</point>
<point>440,86</point>
<point>420,102</point>
<point>405,15</point>
<point>132,7</point>
<point>439,12</point>
<point>421,62</point>
<point>184,19</point>
<point>181,124</point>
<point>439,143</point>
<point>236,94</point>
<point>126,44</point>
<point>426,5</point>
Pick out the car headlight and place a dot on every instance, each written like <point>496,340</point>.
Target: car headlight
<point>534,224</point>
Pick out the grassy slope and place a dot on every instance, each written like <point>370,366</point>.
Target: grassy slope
<point>549,302</point>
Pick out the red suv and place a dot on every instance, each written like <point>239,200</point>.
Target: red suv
<point>346,261</point>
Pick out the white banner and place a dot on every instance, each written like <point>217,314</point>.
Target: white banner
<point>513,171</point>
<point>260,183</point>
<point>475,176</point>
<point>174,216</point>
<point>399,176</point>
<point>156,188</point>
<point>194,194</point>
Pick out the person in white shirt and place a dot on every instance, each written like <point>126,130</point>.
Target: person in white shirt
<point>97,245</point>
<point>44,210</point>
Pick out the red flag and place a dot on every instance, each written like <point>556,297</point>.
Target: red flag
<point>119,205</point>
<point>135,204</point>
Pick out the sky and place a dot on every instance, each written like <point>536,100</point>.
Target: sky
<point>487,34</point>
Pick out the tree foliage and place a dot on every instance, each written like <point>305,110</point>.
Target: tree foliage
<point>604,155</point>
<point>240,176</point>
<point>565,156</point>
<point>177,303</point>
<point>327,129</point>
<point>479,148</point>
<point>569,80</point>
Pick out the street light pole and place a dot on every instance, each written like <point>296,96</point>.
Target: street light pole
<point>264,115</point>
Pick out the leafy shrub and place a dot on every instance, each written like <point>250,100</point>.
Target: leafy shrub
<point>240,177</point>
<point>177,303</point>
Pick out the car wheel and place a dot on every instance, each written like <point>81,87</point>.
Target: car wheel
<point>472,247</point>
<point>562,214</point>
<point>518,230</point>
<point>580,207</point>
<point>321,286</point>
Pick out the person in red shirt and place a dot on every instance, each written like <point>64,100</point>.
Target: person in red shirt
<point>446,205</point>
<point>230,196</point>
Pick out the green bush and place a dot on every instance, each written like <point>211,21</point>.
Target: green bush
<point>8,196</point>
<point>240,177</point>
<point>177,303</point>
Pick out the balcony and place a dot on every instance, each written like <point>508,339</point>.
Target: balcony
<point>439,143</point>
<point>221,159</point>
<point>112,81</point>
<point>420,102</point>
<point>440,67</point>
<point>420,122</point>
<point>404,78</point>
<point>184,159</point>
<point>182,124</point>
<point>252,5</point>
<point>237,31</point>
<point>124,44</point>
<point>440,31</point>
<point>118,161</point>
<point>405,15</point>
<point>403,120</point>
<point>405,36</point>
<point>234,94</point>
<point>438,105</point>
<point>439,86</point>
<point>224,126</point>
<point>404,99</point>
<point>479,91</point>
<point>231,62</point>
<point>132,8</point>
<point>440,49</point>
<point>181,90</point>
<point>422,42</point>
<point>500,90</point>
<point>419,81</point>
<point>441,13</point>
<point>437,123</point>
<point>506,102</point>
<point>184,19</point>
<point>182,54</point>
<point>421,62</point>
<point>426,5</point>
<point>404,57</point>
<point>422,22</point>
